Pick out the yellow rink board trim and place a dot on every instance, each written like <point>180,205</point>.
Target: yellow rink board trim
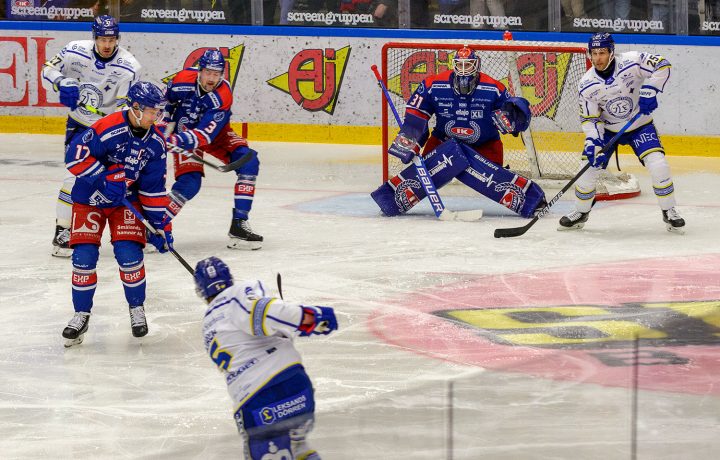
<point>705,146</point>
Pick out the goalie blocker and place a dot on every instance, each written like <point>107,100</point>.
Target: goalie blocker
<point>450,160</point>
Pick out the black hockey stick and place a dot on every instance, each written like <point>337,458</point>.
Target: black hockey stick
<point>609,147</point>
<point>222,168</point>
<point>147,225</point>
<point>441,212</point>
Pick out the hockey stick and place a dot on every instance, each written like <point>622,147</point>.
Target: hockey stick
<point>222,168</point>
<point>92,109</point>
<point>170,127</point>
<point>147,225</point>
<point>609,147</point>
<point>279,284</point>
<point>439,209</point>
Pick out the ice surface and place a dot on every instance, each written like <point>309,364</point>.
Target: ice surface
<point>405,377</point>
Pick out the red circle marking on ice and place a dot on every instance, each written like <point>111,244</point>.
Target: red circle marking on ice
<point>651,285</point>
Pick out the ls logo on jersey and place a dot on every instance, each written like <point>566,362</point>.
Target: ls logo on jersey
<point>233,57</point>
<point>620,106</point>
<point>314,78</point>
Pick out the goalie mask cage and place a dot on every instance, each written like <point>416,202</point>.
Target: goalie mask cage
<point>546,74</point>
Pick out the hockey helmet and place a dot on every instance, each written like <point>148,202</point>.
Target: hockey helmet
<point>146,94</point>
<point>466,65</point>
<point>105,26</point>
<point>601,40</point>
<point>212,276</point>
<point>212,59</point>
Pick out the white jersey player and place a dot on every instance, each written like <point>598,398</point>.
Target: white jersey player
<point>92,78</point>
<point>249,336</point>
<point>612,92</point>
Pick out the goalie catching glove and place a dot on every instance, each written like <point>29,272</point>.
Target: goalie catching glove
<point>317,320</point>
<point>513,117</point>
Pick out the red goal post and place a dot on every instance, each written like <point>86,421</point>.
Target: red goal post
<point>545,73</point>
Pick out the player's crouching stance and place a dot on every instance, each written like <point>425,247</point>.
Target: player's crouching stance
<point>121,155</point>
<point>249,336</point>
<point>471,110</point>
<point>92,78</point>
<point>611,93</point>
<point>200,100</point>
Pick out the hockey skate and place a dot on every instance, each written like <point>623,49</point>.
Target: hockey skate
<point>242,236</point>
<point>138,323</point>
<point>61,242</point>
<point>673,221</point>
<point>76,329</point>
<point>573,221</point>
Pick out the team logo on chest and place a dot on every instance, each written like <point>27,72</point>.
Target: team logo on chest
<point>469,134</point>
<point>620,107</point>
<point>89,96</point>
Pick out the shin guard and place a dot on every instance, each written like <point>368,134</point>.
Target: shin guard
<point>402,192</point>
<point>515,192</point>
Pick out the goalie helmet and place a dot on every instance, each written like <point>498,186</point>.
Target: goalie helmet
<point>212,59</point>
<point>146,95</point>
<point>212,277</point>
<point>466,65</point>
<point>601,40</point>
<point>105,26</point>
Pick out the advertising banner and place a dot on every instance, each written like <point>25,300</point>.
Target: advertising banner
<point>318,81</point>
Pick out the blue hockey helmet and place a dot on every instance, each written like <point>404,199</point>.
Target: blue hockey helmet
<point>212,59</point>
<point>466,67</point>
<point>212,277</point>
<point>601,40</point>
<point>146,94</point>
<point>105,26</point>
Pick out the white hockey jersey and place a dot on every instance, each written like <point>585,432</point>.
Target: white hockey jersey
<point>103,85</point>
<point>610,104</point>
<point>249,336</point>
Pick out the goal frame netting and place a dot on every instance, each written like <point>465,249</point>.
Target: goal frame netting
<point>549,151</point>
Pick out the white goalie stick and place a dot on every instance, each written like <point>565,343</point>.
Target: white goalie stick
<point>232,166</point>
<point>439,208</point>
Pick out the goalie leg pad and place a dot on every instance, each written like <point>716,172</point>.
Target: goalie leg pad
<point>515,192</point>
<point>402,192</point>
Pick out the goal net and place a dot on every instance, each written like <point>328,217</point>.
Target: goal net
<point>546,74</point>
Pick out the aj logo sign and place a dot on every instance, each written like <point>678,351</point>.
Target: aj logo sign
<point>314,77</point>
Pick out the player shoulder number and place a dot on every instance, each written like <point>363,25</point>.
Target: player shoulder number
<point>415,101</point>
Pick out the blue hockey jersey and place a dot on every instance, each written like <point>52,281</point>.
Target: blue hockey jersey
<point>202,115</point>
<point>109,141</point>
<point>465,118</point>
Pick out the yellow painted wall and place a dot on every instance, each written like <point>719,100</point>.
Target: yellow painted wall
<point>706,146</point>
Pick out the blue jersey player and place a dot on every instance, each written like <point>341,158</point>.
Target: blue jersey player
<point>471,110</point>
<point>120,156</point>
<point>249,334</point>
<point>200,100</point>
<point>612,92</point>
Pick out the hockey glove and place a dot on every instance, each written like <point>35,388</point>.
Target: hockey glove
<point>69,90</point>
<point>111,186</point>
<point>404,148</point>
<point>594,154</point>
<point>323,321</point>
<point>163,240</point>
<point>502,122</point>
<point>648,100</point>
<point>184,140</point>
